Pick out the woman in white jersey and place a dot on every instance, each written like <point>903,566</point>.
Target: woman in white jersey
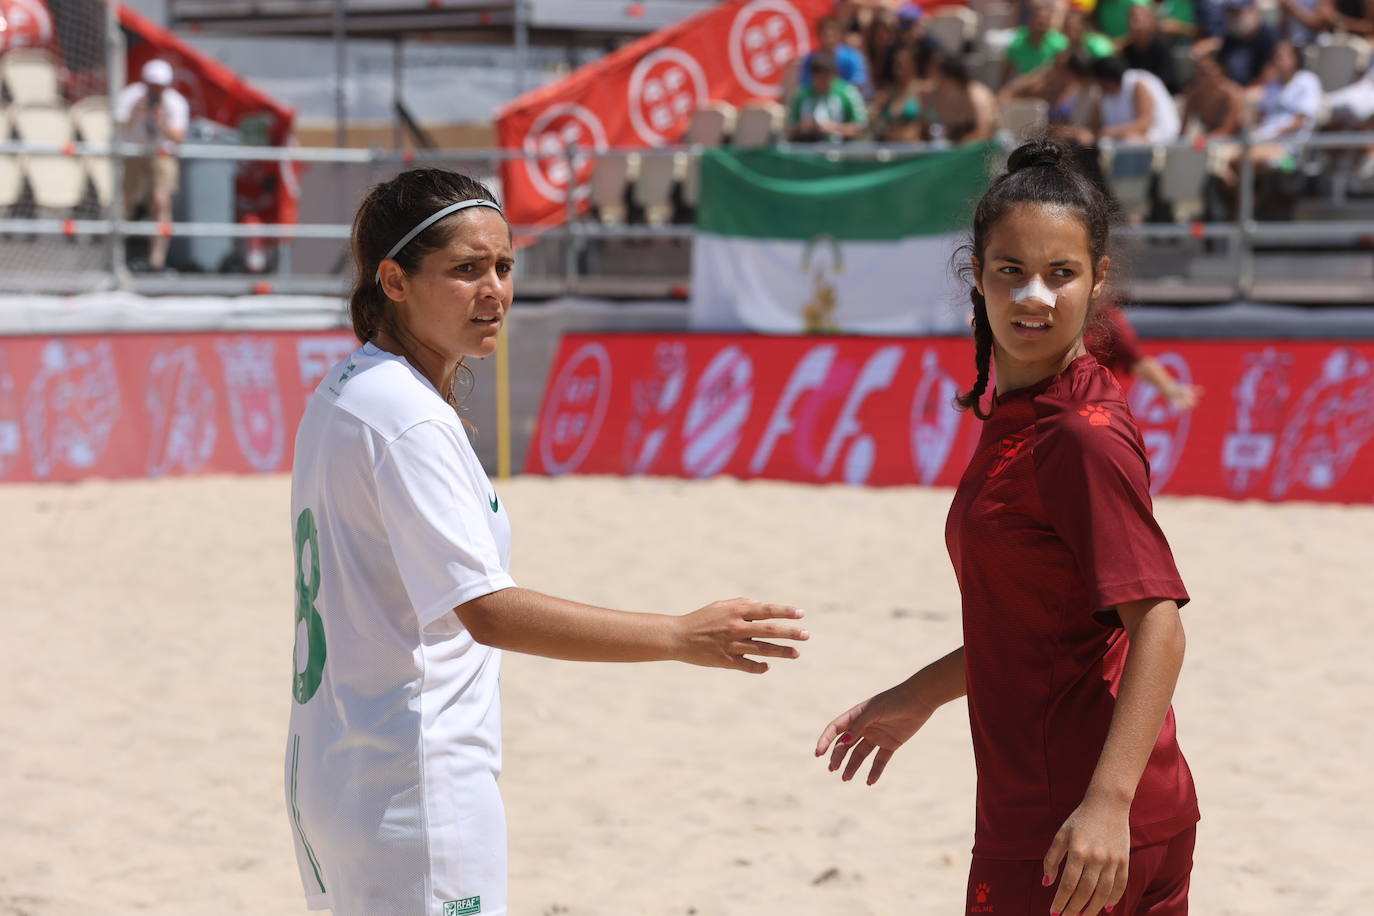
<point>403,598</point>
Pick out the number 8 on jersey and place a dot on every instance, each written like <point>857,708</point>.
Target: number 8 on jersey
<point>305,681</point>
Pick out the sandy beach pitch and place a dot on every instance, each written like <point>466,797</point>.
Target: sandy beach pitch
<point>145,663</point>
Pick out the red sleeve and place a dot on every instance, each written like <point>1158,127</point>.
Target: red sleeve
<point>1114,342</point>
<point>1093,478</point>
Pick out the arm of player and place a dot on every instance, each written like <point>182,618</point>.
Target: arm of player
<point>884,722</point>
<point>719,635</point>
<point>1094,844</point>
<point>1181,396</point>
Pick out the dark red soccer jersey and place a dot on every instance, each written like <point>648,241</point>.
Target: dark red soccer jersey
<point>1114,342</point>
<point>1050,529</point>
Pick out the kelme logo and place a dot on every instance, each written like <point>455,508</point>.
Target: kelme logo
<point>495,504</point>
<point>468,906</point>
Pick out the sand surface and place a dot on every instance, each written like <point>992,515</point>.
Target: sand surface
<point>145,659</point>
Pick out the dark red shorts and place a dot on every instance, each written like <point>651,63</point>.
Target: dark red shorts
<point>1157,886</point>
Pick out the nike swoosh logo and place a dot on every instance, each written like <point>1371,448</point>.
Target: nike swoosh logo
<point>495,504</point>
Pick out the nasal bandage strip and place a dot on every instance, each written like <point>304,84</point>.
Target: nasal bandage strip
<point>1037,290</point>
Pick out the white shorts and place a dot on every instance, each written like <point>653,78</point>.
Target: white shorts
<point>407,855</point>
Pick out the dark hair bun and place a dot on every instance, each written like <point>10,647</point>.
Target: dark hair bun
<point>1037,153</point>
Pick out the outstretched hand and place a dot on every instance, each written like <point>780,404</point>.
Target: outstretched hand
<point>723,633</point>
<point>881,723</point>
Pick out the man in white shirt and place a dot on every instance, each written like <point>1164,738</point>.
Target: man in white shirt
<point>155,115</point>
<point>1287,114</point>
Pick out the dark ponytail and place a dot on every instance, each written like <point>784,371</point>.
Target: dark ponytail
<point>1038,172</point>
<point>387,213</point>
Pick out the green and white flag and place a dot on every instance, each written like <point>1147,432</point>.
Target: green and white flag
<point>795,243</point>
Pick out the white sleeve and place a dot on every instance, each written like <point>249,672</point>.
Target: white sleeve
<point>178,110</point>
<point>436,523</point>
<point>1309,99</point>
<point>126,100</point>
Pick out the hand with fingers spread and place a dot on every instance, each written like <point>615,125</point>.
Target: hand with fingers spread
<point>1094,847</point>
<point>723,633</point>
<point>881,723</point>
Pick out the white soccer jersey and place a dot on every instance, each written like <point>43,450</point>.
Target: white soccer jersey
<point>395,740</point>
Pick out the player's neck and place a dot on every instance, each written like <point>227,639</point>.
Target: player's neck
<point>1013,374</point>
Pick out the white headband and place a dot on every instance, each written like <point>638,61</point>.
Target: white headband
<point>1035,289</point>
<point>430,221</point>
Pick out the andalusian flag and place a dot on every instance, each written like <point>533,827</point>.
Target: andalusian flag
<point>790,243</point>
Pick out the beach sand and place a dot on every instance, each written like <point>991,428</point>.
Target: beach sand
<point>145,663</point>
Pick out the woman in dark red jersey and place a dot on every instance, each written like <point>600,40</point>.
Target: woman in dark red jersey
<point>1072,638</point>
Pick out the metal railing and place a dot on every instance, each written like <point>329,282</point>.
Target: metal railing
<point>560,263</point>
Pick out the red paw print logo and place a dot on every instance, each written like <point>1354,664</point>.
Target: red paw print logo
<point>981,895</point>
<point>1097,416</point>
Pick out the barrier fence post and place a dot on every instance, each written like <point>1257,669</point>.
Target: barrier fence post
<point>114,79</point>
<point>1245,215</point>
<point>570,243</point>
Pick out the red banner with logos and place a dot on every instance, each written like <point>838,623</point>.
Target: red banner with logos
<point>643,95</point>
<point>149,405</point>
<point>1278,420</point>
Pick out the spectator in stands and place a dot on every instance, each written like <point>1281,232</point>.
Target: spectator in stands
<point>879,40</point>
<point>896,111</point>
<point>1287,112</point>
<point>1179,18</point>
<point>829,109</point>
<point>959,109</point>
<point>847,62</point>
<point>1146,48</point>
<point>1214,104</point>
<point>1304,20</point>
<point>1082,35</point>
<point>1248,46</point>
<point>1353,16</point>
<point>1135,107</point>
<point>1114,16</point>
<point>154,115</point>
<point>1035,44</point>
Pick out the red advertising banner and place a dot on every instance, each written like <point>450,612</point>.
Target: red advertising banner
<point>643,95</point>
<point>1278,420</point>
<point>149,405</point>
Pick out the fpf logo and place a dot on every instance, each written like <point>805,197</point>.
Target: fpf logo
<point>667,85</point>
<point>574,410</point>
<point>557,128</point>
<point>765,37</point>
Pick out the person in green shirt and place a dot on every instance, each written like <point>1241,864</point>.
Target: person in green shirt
<point>1114,16</point>
<point>1035,44</point>
<point>1082,37</point>
<point>829,109</point>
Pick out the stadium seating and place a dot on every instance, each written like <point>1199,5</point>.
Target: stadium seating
<point>611,176</point>
<point>1337,64</point>
<point>954,27</point>
<point>58,181</point>
<point>31,76</point>
<point>758,124</point>
<point>653,186</point>
<point>1024,118</point>
<point>1181,181</point>
<point>11,169</point>
<point>92,119</point>
<point>1130,173</point>
<point>711,124</point>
